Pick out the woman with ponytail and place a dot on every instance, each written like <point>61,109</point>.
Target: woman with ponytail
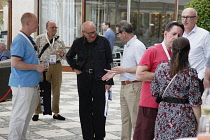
<point>177,84</point>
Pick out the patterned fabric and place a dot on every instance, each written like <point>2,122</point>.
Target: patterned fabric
<point>176,120</point>
<point>58,44</point>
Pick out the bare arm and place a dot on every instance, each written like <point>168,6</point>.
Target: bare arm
<point>117,70</point>
<point>206,80</point>
<point>142,74</point>
<point>17,63</point>
<point>120,70</point>
<point>197,112</point>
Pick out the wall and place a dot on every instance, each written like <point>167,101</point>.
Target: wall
<point>18,8</point>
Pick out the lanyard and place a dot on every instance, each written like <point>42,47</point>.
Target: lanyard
<point>26,38</point>
<point>51,45</point>
<point>166,51</point>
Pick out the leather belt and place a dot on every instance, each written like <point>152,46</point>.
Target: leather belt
<point>128,82</point>
<point>56,61</point>
<point>88,71</point>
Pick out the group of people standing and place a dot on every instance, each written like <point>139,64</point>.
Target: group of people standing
<point>159,72</point>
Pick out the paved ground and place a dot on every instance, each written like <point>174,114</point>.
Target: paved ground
<point>49,129</point>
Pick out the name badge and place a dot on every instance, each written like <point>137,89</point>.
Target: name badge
<point>52,59</point>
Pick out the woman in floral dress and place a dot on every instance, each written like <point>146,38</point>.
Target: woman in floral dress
<point>179,112</point>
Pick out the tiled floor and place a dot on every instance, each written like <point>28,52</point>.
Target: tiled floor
<point>49,129</point>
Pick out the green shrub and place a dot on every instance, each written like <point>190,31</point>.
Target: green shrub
<point>203,9</point>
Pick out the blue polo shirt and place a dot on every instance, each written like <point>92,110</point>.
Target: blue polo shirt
<point>23,48</point>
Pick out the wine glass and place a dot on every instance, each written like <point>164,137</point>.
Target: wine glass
<point>206,102</point>
<point>203,133</point>
<point>45,62</point>
<point>59,50</point>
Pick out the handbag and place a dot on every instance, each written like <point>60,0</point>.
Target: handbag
<point>45,95</point>
<point>160,98</point>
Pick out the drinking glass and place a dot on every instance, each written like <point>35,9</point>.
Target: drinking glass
<point>45,62</point>
<point>203,132</point>
<point>206,102</point>
<point>59,50</point>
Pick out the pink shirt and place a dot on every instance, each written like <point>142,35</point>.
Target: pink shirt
<point>151,58</point>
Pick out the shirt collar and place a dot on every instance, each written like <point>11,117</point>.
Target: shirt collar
<point>131,40</point>
<point>53,36</point>
<point>85,40</point>
<point>193,31</point>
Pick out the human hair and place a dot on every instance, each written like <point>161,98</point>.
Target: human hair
<point>25,17</point>
<point>180,51</point>
<point>174,23</point>
<point>47,23</point>
<point>2,45</point>
<point>107,23</point>
<point>88,24</point>
<point>125,26</point>
<point>193,11</point>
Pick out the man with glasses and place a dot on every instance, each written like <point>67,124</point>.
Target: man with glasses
<point>51,49</point>
<point>130,87</point>
<point>148,107</point>
<point>199,43</point>
<point>93,53</point>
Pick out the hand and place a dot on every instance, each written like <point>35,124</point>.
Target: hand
<point>40,68</point>
<point>110,74</point>
<point>118,70</point>
<point>78,71</point>
<point>60,52</point>
<point>107,87</point>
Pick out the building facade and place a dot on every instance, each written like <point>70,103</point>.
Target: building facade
<point>148,17</point>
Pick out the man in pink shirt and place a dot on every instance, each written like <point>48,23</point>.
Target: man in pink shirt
<point>153,56</point>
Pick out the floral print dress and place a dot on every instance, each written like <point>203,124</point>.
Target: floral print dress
<point>176,120</point>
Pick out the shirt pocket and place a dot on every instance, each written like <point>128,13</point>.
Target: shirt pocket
<point>101,53</point>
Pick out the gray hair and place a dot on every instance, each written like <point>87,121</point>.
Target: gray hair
<point>2,45</point>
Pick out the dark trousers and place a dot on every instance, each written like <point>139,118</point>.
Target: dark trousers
<point>145,123</point>
<point>91,106</point>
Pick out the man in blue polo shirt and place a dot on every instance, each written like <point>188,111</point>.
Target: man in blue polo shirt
<point>24,78</point>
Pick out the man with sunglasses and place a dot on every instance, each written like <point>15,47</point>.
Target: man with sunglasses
<point>53,54</point>
<point>199,43</point>
<point>89,56</point>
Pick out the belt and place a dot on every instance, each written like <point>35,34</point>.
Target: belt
<point>128,82</point>
<point>56,61</point>
<point>175,100</point>
<point>88,71</point>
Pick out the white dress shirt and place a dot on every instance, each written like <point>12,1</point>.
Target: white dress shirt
<point>133,51</point>
<point>199,49</point>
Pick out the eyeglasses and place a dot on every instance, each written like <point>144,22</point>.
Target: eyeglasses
<point>53,27</point>
<point>187,17</point>
<point>90,33</point>
<point>118,33</point>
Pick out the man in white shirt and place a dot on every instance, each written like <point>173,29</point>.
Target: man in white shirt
<point>199,43</point>
<point>130,87</point>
